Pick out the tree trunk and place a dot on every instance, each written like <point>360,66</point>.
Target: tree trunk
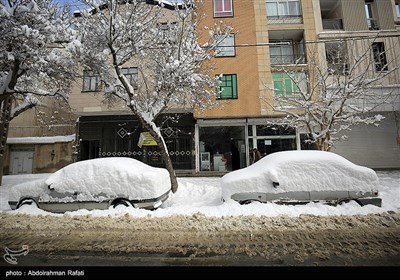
<point>164,154</point>
<point>5,110</point>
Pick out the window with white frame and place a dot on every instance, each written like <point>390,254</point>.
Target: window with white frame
<point>131,74</point>
<point>226,45</point>
<point>91,81</point>
<point>283,8</point>
<point>223,8</point>
<point>281,53</point>
<point>289,84</point>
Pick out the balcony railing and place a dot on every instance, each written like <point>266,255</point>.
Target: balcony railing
<point>290,19</point>
<point>372,24</point>
<point>287,59</point>
<point>339,68</point>
<point>332,24</point>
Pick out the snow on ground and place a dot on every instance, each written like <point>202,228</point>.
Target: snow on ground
<point>203,195</point>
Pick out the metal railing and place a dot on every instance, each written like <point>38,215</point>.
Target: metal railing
<point>287,59</point>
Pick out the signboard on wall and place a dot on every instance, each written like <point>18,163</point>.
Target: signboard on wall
<point>146,139</point>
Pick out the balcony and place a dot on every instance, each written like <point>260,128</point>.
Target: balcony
<point>287,59</point>
<point>372,24</point>
<point>286,19</point>
<point>341,69</point>
<point>332,24</point>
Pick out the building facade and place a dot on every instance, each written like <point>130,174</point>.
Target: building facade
<point>268,36</point>
<point>272,35</point>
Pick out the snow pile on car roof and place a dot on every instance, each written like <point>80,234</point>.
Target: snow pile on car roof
<point>300,171</point>
<point>112,176</point>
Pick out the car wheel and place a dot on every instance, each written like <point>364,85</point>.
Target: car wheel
<point>123,202</point>
<point>342,201</point>
<point>244,202</point>
<point>27,201</point>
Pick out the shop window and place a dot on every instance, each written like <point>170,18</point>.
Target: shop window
<point>223,8</point>
<point>228,87</point>
<point>222,148</point>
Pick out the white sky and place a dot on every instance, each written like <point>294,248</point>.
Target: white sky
<point>203,195</point>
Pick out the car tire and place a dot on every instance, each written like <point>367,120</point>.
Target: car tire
<point>27,201</point>
<point>245,202</point>
<point>343,201</point>
<point>121,201</point>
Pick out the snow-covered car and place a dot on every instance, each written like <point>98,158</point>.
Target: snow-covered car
<point>96,184</point>
<point>299,177</point>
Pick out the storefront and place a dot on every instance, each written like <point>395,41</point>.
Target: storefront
<point>226,145</point>
<point>123,136</point>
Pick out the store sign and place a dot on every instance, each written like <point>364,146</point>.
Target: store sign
<point>146,139</point>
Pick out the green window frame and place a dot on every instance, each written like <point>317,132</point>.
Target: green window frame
<point>284,85</point>
<point>228,87</point>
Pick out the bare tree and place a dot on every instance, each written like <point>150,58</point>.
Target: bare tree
<point>35,58</point>
<point>162,48</point>
<point>349,84</point>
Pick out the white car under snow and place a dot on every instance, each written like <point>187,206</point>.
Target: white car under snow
<point>300,177</point>
<point>96,184</point>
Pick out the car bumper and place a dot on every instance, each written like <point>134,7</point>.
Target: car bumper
<point>150,204</point>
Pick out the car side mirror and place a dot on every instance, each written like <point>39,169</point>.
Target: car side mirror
<point>50,187</point>
<point>275,184</point>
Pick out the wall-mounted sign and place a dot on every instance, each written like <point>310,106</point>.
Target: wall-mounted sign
<point>146,139</point>
<point>268,142</point>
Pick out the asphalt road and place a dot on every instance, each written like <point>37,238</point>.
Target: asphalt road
<point>187,241</point>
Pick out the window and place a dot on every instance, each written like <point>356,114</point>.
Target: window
<point>337,58</point>
<point>281,53</point>
<point>398,9</point>
<point>379,53</point>
<point>284,85</point>
<point>223,8</point>
<point>91,81</point>
<point>168,31</point>
<point>285,8</point>
<point>226,46</point>
<point>228,87</point>
<point>372,24</point>
<point>131,75</point>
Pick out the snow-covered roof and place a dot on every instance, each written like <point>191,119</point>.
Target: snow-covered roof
<point>41,140</point>
<point>169,4</point>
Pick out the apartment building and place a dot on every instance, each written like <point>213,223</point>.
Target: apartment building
<point>271,35</point>
<point>268,35</point>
